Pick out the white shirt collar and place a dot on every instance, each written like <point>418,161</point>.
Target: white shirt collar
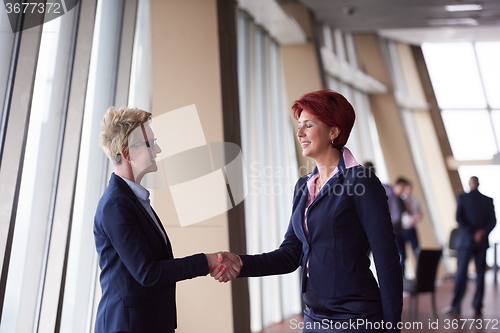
<point>139,191</point>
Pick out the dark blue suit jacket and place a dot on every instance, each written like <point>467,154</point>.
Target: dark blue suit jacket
<point>139,271</point>
<point>348,215</point>
<point>474,211</point>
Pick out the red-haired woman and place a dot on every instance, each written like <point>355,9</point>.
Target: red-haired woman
<point>340,211</point>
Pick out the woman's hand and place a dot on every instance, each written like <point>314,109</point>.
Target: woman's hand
<point>227,268</point>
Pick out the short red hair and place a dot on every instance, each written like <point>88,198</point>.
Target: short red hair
<point>331,108</point>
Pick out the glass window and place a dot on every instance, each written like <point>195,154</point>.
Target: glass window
<point>273,168</point>
<point>141,81</point>
<point>92,173</point>
<point>454,75</point>
<point>346,90</point>
<point>474,134</point>
<point>351,50</point>
<point>51,279</point>
<point>488,55</point>
<point>31,236</point>
<point>470,134</point>
<point>328,38</point>
<point>333,83</point>
<point>338,39</point>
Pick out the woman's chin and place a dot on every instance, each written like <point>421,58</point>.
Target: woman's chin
<point>152,168</point>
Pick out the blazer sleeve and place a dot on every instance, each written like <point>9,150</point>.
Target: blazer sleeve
<point>120,223</point>
<point>285,259</point>
<point>492,221</point>
<point>393,205</point>
<point>373,211</point>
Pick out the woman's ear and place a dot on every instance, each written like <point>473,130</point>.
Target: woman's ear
<point>125,153</point>
<point>334,133</point>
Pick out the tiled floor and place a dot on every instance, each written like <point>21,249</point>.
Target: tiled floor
<point>425,322</point>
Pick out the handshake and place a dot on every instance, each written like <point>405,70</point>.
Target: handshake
<point>224,266</point>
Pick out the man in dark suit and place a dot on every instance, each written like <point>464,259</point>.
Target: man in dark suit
<point>476,219</point>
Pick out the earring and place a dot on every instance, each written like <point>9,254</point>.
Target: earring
<point>129,162</point>
<point>332,142</point>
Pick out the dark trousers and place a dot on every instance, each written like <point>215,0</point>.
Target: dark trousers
<point>357,313</point>
<point>402,237</point>
<point>464,256</point>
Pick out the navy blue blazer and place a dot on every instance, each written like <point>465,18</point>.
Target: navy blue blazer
<point>474,211</point>
<point>349,215</point>
<point>139,271</point>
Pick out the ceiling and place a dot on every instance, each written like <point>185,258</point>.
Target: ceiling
<point>413,21</point>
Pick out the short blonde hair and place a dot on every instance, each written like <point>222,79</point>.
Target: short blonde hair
<point>116,127</point>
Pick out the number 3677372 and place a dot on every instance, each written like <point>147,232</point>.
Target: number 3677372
<point>33,7</point>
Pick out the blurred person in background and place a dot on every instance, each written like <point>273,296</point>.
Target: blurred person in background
<point>410,215</point>
<point>392,199</point>
<point>476,219</point>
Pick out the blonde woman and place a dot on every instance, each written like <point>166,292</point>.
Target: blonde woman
<point>139,271</point>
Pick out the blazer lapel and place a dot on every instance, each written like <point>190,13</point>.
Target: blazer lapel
<point>169,246</point>
<point>329,187</point>
<point>117,181</point>
<point>299,206</point>
<point>298,215</point>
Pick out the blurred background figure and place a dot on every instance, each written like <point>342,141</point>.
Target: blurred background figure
<point>392,199</point>
<point>410,215</point>
<point>476,218</point>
